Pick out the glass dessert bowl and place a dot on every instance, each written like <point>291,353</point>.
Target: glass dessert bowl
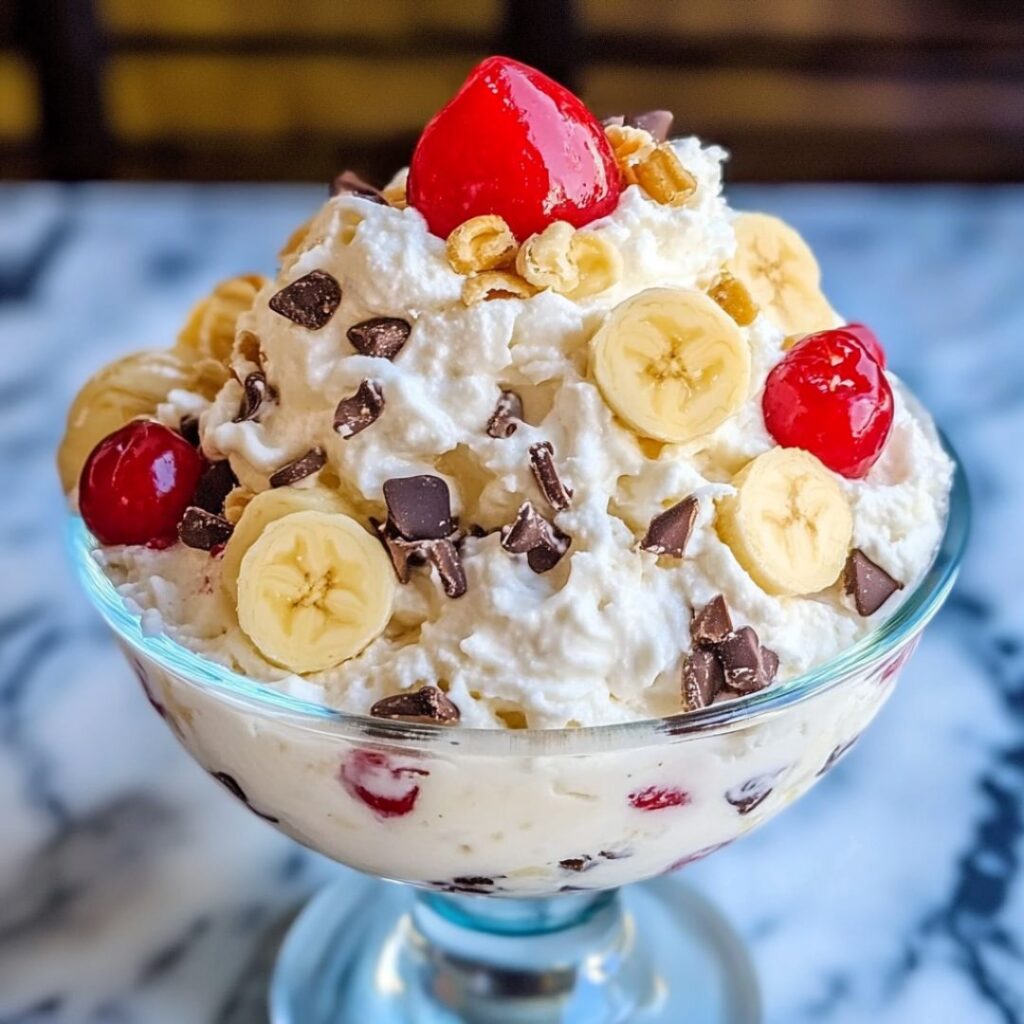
<point>517,841</point>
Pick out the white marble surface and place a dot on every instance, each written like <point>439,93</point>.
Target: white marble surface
<point>133,890</point>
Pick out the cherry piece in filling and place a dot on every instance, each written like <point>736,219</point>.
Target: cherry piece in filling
<point>829,397</point>
<point>657,798</point>
<point>370,777</point>
<point>515,143</point>
<point>137,483</point>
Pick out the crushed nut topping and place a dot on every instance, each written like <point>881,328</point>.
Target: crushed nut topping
<point>481,243</point>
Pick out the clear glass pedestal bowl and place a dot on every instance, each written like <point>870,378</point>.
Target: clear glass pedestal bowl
<point>516,846</point>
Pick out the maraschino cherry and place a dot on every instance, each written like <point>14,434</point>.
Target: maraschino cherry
<point>137,483</point>
<point>869,340</point>
<point>512,142</point>
<point>830,397</point>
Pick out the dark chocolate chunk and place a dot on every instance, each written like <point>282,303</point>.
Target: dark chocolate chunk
<point>230,783</point>
<point>404,553</point>
<point>750,794</point>
<point>381,336</point>
<point>445,558</point>
<point>837,753</point>
<point>298,469</point>
<point>533,535</point>
<point>427,704</point>
<point>348,183</point>
<point>542,462</point>
<point>189,429</point>
<point>419,507</point>
<point>310,301</point>
<point>578,864</point>
<point>507,415</point>
<point>702,678</point>
<point>214,486</point>
<point>657,122</point>
<point>746,664</point>
<point>358,411</point>
<point>257,391</point>
<point>204,530</point>
<point>867,583</point>
<point>670,530</point>
<point>712,624</point>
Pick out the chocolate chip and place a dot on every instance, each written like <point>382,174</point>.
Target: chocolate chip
<point>477,884</point>
<point>750,794</point>
<point>404,553</point>
<point>298,469</point>
<point>837,754</point>
<point>507,415</point>
<point>867,583</point>
<point>712,624</point>
<point>428,704</point>
<point>533,535</point>
<point>702,678</point>
<point>310,301</point>
<point>578,864</point>
<point>189,429</point>
<point>204,530</point>
<point>381,336</point>
<point>419,507</point>
<point>747,666</point>
<point>445,558</point>
<point>231,785</point>
<point>348,183</point>
<point>670,530</point>
<point>358,411</point>
<point>214,486</point>
<point>257,391</point>
<point>542,462</point>
<point>657,122</point>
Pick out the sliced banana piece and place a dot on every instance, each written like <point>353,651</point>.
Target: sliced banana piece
<point>262,510</point>
<point>314,590</point>
<point>781,273</point>
<point>671,363</point>
<point>788,524</point>
<point>125,390</point>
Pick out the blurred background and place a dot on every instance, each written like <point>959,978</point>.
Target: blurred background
<point>235,90</point>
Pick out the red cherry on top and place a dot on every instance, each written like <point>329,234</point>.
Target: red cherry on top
<point>831,398</point>
<point>137,483</point>
<point>869,340</point>
<point>515,143</point>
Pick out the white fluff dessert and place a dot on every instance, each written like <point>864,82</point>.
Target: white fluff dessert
<point>482,458</point>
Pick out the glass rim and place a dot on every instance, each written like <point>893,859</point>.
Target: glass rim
<point>913,614</point>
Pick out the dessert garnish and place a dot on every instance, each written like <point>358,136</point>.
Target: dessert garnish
<point>513,143</point>
<point>712,624</point>
<point>507,415</point>
<point>869,340</point>
<point>752,793</point>
<point>358,411</point>
<point>310,301</point>
<point>747,666</point>
<point>374,779</point>
<point>204,530</point>
<point>732,295</point>
<point>867,583</point>
<point>298,469</point>
<point>658,123</point>
<point>542,463</point>
<point>427,704</point>
<point>380,336</point>
<point>445,558</point>
<point>214,486</point>
<point>534,536</point>
<point>830,397</point>
<point>188,427</point>
<point>703,678</point>
<point>403,553</point>
<point>348,183</point>
<point>419,507</point>
<point>670,530</point>
<point>256,391</point>
<point>481,243</point>
<point>137,483</point>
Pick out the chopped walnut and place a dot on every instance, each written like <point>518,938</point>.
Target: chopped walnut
<point>631,147</point>
<point>495,284</point>
<point>481,243</point>
<point>235,503</point>
<point>209,331</point>
<point>545,260</point>
<point>663,177</point>
<point>598,263</point>
<point>732,295</point>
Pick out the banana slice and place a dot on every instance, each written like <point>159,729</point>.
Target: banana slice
<point>671,364</point>
<point>314,590</point>
<point>125,390</point>
<point>788,524</point>
<point>781,273</point>
<point>262,510</point>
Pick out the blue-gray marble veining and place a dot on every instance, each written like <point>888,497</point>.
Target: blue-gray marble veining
<point>133,890</point>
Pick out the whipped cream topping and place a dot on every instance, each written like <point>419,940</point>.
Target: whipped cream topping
<point>601,637</point>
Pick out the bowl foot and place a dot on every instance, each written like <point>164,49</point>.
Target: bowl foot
<point>370,952</point>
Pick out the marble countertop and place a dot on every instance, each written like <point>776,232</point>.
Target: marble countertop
<point>134,891</point>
